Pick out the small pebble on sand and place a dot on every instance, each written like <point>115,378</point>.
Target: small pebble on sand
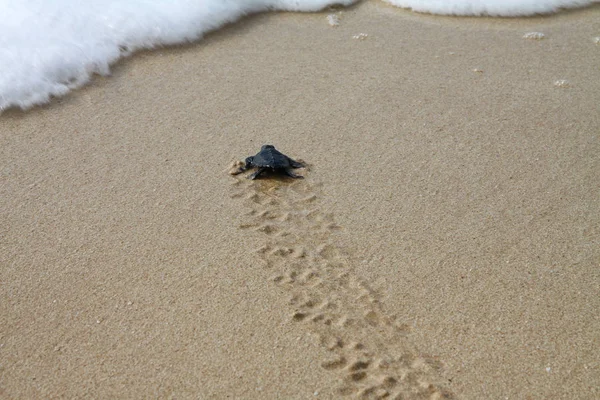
<point>235,167</point>
<point>333,19</point>
<point>562,83</point>
<point>534,36</point>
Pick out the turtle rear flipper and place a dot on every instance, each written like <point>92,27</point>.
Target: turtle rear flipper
<point>288,172</point>
<point>296,164</point>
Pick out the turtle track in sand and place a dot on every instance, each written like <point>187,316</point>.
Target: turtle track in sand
<point>369,351</point>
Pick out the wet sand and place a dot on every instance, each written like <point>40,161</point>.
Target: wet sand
<point>444,241</point>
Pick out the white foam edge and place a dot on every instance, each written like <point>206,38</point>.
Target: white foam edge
<point>494,8</point>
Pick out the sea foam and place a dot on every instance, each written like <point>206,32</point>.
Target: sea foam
<point>494,8</point>
<point>48,47</point>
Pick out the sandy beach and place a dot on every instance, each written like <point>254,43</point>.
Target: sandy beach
<point>445,242</point>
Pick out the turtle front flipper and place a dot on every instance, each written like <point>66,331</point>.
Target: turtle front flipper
<point>257,173</point>
<point>288,172</point>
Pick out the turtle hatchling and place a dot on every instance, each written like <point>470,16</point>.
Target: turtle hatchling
<point>270,159</point>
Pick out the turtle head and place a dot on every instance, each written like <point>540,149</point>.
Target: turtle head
<point>267,146</point>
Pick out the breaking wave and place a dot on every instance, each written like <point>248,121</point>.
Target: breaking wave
<point>49,47</point>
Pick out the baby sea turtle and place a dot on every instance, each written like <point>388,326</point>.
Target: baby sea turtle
<point>269,158</point>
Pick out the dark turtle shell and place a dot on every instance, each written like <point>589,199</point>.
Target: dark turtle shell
<point>270,157</point>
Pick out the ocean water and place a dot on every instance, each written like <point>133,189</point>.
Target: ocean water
<point>49,47</point>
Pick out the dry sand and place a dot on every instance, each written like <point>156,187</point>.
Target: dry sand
<point>445,239</point>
